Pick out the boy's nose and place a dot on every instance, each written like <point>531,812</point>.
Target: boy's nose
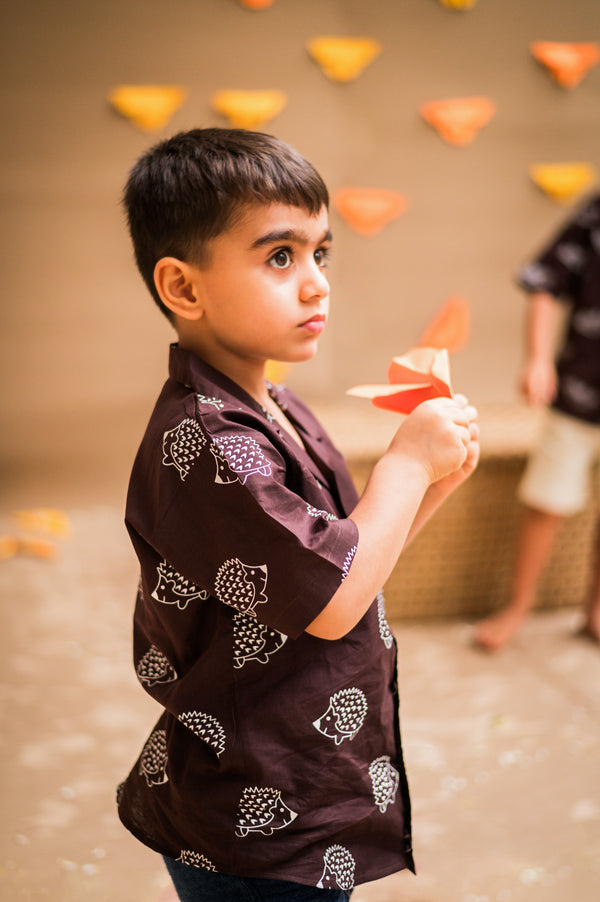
<point>314,285</point>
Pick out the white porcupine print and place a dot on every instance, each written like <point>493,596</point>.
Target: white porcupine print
<point>384,629</point>
<point>254,641</point>
<point>224,475</point>
<point>153,760</point>
<point>196,860</point>
<point>243,454</point>
<point>173,588</point>
<point>241,586</point>
<point>206,727</point>
<point>385,779</point>
<point>154,667</point>
<point>347,562</point>
<point>338,869</point>
<point>261,810</point>
<point>182,446</point>
<point>315,512</point>
<point>344,716</point>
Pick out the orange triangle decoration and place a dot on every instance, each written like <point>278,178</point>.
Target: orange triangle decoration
<point>563,181</point>
<point>343,59</point>
<point>249,109</point>
<point>256,4</point>
<point>458,120</point>
<point>450,326</point>
<point>567,63</point>
<point>368,210</point>
<point>417,376</point>
<point>459,4</point>
<point>150,107</point>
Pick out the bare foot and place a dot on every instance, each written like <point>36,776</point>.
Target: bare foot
<point>493,633</point>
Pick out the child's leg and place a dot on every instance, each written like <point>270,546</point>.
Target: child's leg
<point>198,885</point>
<point>536,540</point>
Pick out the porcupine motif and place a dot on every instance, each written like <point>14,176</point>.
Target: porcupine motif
<point>243,454</point>
<point>254,641</point>
<point>241,586</point>
<point>173,588</point>
<point>338,869</point>
<point>154,667</point>
<point>153,760</point>
<point>206,727</point>
<point>196,860</point>
<point>385,779</point>
<point>344,716</point>
<point>183,445</point>
<point>384,628</point>
<point>261,810</point>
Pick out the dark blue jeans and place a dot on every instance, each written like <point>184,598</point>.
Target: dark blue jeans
<point>197,885</point>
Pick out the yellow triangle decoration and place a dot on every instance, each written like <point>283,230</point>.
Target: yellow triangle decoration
<point>149,107</point>
<point>343,59</point>
<point>248,109</point>
<point>563,181</point>
<point>459,4</point>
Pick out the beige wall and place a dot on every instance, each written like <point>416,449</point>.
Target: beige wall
<point>82,348</point>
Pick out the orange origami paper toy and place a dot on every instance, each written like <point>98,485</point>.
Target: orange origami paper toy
<point>368,210</point>
<point>450,326</point>
<point>343,59</point>
<point>563,181</point>
<point>419,375</point>
<point>459,119</point>
<point>148,106</point>
<point>248,109</point>
<point>567,63</point>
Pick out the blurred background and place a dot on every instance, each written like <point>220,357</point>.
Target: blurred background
<point>502,753</point>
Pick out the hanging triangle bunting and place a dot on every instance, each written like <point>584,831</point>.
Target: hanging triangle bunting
<point>458,120</point>
<point>343,59</point>
<point>149,107</point>
<point>462,5</point>
<point>563,181</point>
<point>249,109</point>
<point>256,4</point>
<point>450,327</point>
<point>368,210</point>
<point>567,63</point>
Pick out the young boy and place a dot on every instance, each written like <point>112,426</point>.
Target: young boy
<point>556,480</point>
<point>275,770</point>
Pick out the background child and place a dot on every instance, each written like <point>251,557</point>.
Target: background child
<point>556,481</point>
<point>276,767</point>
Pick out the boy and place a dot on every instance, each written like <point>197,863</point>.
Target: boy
<point>275,771</point>
<point>556,480</point>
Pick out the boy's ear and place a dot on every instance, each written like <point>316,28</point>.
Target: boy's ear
<point>177,289</point>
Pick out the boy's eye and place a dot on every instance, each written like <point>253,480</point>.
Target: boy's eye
<point>322,256</point>
<point>281,259</point>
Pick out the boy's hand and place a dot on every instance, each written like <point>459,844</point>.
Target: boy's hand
<point>538,381</point>
<point>440,435</point>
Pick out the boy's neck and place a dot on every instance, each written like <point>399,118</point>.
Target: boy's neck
<point>249,375</point>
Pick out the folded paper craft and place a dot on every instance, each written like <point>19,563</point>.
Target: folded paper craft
<point>343,59</point>
<point>150,107</point>
<point>249,109</point>
<point>368,210</point>
<point>417,376</point>
<point>563,181</point>
<point>458,119</point>
<point>567,63</point>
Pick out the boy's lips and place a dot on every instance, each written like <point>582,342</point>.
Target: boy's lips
<point>315,324</point>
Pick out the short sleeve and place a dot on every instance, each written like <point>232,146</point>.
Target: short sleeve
<point>229,512</point>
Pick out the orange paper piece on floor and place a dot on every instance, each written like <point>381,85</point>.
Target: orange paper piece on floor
<point>256,4</point>
<point>368,210</point>
<point>417,376</point>
<point>563,181</point>
<point>249,109</point>
<point>459,119</point>
<point>450,326</point>
<point>150,107</point>
<point>51,521</point>
<point>567,63</point>
<point>343,59</point>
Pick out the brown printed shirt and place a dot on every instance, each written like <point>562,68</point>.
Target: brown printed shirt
<point>569,269</point>
<point>277,753</point>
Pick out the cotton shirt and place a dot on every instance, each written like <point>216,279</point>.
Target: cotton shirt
<point>569,269</point>
<point>277,754</point>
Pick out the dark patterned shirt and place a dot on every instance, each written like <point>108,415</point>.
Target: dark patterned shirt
<point>278,754</point>
<point>569,269</point>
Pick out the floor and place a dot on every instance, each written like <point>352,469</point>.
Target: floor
<point>503,752</point>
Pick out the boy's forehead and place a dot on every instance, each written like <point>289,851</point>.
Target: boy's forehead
<point>259,222</point>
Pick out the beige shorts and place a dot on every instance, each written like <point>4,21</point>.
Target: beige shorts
<point>557,475</point>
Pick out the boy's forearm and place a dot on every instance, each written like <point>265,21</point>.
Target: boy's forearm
<point>543,319</point>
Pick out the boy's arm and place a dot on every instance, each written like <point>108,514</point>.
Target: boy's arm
<point>538,379</point>
<point>429,447</point>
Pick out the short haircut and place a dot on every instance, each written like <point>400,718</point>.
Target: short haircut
<point>192,187</point>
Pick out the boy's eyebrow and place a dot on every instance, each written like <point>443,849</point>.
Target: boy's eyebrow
<point>288,235</point>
